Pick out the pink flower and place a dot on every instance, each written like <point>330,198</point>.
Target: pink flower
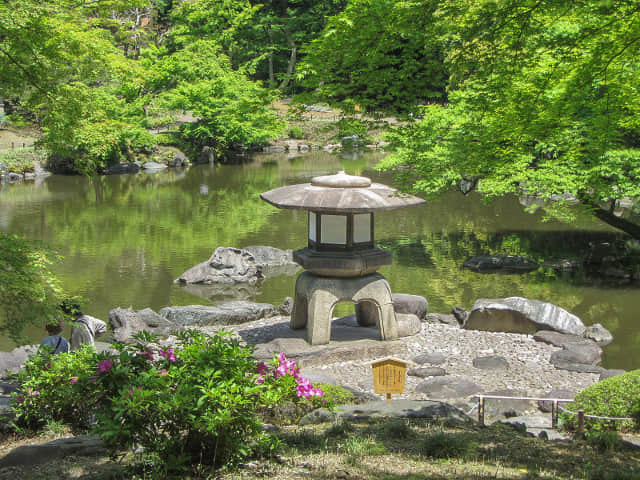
<point>169,354</point>
<point>148,353</point>
<point>260,379</point>
<point>74,379</point>
<point>163,372</point>
<point>104,366</point>
<point>261,368</point>
<point>19,399</point>
<point>286,367</point>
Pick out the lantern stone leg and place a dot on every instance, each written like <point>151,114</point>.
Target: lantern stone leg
<point>316,297</point>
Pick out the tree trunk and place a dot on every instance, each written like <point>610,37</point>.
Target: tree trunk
<point>292,60</point>
<point>272,80</point>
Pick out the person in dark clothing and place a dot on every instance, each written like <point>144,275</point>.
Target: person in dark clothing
<point>54,343</point>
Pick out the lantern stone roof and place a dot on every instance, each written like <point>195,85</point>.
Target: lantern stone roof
<point>340,192</point>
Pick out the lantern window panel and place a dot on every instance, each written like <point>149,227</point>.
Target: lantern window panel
<point>362,228</point>
<point>333,229</point>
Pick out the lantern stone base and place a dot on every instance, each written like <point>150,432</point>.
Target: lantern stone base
<point>316,297</point>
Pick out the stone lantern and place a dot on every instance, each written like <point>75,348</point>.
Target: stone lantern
<point>341,258</point>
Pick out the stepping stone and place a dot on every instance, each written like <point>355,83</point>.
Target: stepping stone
<point>434,358</point>
<point>491,362</point>
<point>424,372</point>
<point>448,387</point>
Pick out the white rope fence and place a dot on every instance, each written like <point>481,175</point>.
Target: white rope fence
<point>555,406</point>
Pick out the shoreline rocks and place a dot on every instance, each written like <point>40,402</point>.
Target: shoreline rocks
<point>521,315</point>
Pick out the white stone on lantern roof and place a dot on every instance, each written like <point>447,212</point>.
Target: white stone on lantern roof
<point>340,192</point>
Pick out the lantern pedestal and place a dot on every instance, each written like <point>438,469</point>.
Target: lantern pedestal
<point>316,296</point>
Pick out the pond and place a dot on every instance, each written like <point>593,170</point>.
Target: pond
<point>125,238</point>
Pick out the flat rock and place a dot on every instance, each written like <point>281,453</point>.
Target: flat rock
<point>336,351</point>
<point>408,324</point>
<point>85,445</point>
<point>430,358</point>
<point>153,166</point>
<point>578,367</point>
<point>404,409</point>
<point>230,313</point>
<point>425,372</point>
<point>558,339</point>
<point>448,387</point>
<point>125,323</point>
<point>491,362</point>
<point>521,315</point>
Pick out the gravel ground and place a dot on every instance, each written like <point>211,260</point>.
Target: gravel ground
<point>528,368</point>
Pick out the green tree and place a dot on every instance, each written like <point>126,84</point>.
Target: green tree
<point>379,54</point>
<point>543,98</point>
<point>231,110</point>
<point>29,292</point>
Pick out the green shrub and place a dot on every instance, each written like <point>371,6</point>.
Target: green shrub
<point>603,441</point>
<point>50,391</point>
<point>612,397</point>
<point>446,445</point>
<point>296,132</point>
<point>19,161</point>
<point>352,126</point>
<point>190,407</point>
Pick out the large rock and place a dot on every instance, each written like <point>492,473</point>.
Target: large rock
<point>598,334</point>
<point>85,445</point>
<point>226,266</point>
<point>126,322</point>
<point>491,362</point>
<point>307,355</point>
<point>12,361</point>
<point>122,168</point>
<point>273,260</point>
<point>153,166</point>
<point>520,315</point>
<point>230,313</point>
<point>575,349</point>
<point>413,304</point>
<point>585,354</point>
<point>448,387</point>
<point>439,411</point>
<point>500,263</point>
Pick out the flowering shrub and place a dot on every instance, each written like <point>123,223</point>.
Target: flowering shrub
<point>287,396</point>
<point>50,390</point>
<point>196,403</point>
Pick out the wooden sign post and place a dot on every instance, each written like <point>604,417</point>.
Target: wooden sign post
<point>388,375</point>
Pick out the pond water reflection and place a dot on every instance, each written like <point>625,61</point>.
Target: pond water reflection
<point>125,238</point>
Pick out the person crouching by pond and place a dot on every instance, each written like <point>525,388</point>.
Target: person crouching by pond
<point>84,328</point>
<point>54,343</point>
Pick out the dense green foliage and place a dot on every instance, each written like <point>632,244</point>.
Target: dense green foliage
<point>378,54</point>
<point>192,404</point>
<point>96,77</point>
<point>29,292</point>
<point>542,98</point>
<point>612,397</point>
